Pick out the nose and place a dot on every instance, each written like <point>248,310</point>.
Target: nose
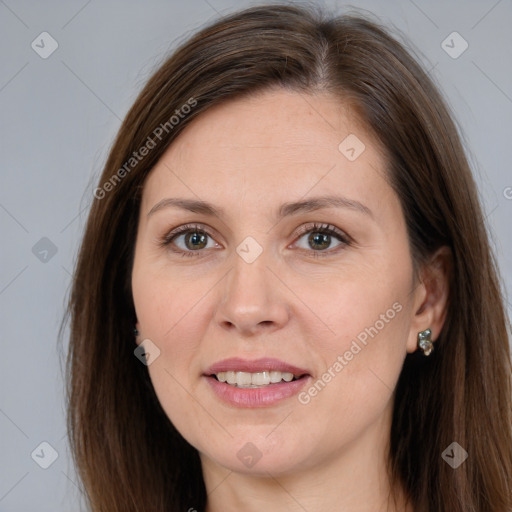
<point>252,299</point>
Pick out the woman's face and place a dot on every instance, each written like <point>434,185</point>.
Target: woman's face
<point>271,246</point>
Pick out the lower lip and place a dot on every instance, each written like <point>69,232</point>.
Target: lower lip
<point>256,397</point>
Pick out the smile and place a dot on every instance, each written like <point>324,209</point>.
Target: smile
<point>252,384</point>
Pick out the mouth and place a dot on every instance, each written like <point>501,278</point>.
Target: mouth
<point>261,379</point>
<point>259,383</point>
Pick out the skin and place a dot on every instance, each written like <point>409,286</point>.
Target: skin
<point>249,156</point>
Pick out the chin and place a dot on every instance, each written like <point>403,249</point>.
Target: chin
<point>258,455</point>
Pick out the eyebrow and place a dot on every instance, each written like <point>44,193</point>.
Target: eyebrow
<point>285,210</point>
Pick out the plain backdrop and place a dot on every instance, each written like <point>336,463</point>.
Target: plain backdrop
<point>59,116</point>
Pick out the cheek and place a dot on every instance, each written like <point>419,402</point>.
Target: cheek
<point>363,301</point>
<point>171,313</point>
<point>165,302</point>
<point>367,312</point>
<point>172,316</point>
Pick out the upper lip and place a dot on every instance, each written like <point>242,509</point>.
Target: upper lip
<point>265,364</point>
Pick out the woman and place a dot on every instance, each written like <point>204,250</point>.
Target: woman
<point>285,295</point>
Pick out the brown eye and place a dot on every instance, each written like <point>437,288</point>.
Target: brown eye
<point>322,239</point>
<point>319,240</point>
<point>189,240</point>
<point>195,240</point>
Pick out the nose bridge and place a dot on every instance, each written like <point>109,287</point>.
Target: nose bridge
<point>249,278</point>
<point>251,297</point>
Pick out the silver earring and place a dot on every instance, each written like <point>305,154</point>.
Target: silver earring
<point>425,342</point>
<point>135,332</point>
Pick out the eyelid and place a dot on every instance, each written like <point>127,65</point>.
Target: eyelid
<point>184,228</point>
<point>320,227</point>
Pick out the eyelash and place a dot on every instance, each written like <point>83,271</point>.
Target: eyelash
<point>327,229</point>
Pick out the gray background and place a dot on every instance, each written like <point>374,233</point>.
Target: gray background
<point>59,116</point>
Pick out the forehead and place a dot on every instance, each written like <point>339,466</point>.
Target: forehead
<point>274,145</point>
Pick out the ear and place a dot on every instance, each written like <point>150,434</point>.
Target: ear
<point>431,297</point>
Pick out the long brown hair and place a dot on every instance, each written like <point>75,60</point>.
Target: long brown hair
<point>128,454</point>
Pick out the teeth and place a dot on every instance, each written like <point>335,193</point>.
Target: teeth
<point>243,379</point>
<point>260,379</point>
<point>252,380</point>
<point>275,377</point>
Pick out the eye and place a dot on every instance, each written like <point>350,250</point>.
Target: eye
<point>189,240</point>
<point>318,238</point>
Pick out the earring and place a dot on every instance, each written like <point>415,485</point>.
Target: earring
<point>135,332</point>
<point>425,342</point>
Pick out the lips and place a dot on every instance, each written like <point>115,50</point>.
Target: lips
<point>259,383</point>
<point>258,365</point>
